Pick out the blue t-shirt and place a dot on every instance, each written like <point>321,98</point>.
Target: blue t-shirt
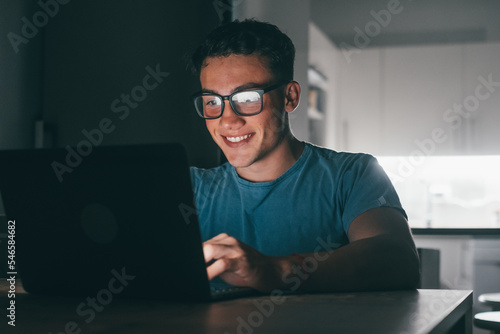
<point>308,208</point>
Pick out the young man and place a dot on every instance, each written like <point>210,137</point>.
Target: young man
<point>284,214</point>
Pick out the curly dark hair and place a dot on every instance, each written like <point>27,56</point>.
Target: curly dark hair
<point>245,38</point>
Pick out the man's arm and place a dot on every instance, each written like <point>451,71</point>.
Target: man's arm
<point>381,255</point>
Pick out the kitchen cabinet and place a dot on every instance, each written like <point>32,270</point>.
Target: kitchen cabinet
<point>422,100</point>
<point>470,262</point>
<point>419,85</point>
<point>360,92</point>
<point>323,73</point>
<point>456,269</point>
<point>486,269</point>
<point>481,99</point>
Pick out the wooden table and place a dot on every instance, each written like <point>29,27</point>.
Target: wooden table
<point>402,312</point>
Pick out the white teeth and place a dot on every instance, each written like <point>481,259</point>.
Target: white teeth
<point>238,139</point>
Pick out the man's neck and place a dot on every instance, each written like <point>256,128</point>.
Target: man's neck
<point>276,163</point>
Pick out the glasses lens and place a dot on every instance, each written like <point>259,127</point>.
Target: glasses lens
<point>208,106</point>
<point>247,103</point>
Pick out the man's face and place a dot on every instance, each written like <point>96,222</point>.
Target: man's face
<point>245,140</point>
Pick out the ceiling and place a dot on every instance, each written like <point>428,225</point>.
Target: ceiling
<point>411,21</point>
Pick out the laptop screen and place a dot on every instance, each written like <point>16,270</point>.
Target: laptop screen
<point>117,210</point>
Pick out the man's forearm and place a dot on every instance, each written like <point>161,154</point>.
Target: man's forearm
<point>379,263</point>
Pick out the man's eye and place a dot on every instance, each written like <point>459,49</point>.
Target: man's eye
<point>212,102</point>
<point>247,97</point>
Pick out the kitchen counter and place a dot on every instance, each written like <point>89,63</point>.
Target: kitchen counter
<point>457,231</point>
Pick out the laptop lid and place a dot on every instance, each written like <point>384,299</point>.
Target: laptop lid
<point>114,219</point>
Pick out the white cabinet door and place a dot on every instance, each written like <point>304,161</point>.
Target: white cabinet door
<point>420,83</point>
<point>422,100</point>
<point>456,263</point>
<point>486,269</point>
<point>481,99</point>
<point>359,103</point>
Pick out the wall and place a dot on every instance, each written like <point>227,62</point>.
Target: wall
<point>325,57</point>
<point>85,56</point>
<point>98,53</point>
<point>20,77</point>
<point>292,17</point>
<point>20,89</point>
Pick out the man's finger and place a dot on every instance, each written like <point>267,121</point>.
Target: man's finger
<point>216,251</point>
<point>218,267</point>
<point>218,237</point>
<point>208,251</point>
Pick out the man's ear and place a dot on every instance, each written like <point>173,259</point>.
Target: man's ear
<point>292,96</point>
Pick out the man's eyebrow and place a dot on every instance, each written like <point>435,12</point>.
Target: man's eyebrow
<point>208,91</point>
<point>250,85</point>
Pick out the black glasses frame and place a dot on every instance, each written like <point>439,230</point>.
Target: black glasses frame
<point>261,92</point>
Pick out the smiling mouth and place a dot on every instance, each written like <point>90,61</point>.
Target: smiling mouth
<point>238,139</point>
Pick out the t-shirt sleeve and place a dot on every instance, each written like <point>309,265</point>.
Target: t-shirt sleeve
<point>194,173</point>
<point>365,186</point>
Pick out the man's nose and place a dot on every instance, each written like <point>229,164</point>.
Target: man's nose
<point>229,118</point>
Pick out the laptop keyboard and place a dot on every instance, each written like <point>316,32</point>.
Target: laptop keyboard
<point>230,291</point>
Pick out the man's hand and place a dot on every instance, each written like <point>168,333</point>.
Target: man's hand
<point>381,255</point>
<point>239,264</point>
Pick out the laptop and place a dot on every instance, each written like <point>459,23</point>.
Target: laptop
<point>119,219</point>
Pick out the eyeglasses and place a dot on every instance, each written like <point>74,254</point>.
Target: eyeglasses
<point>243,103</point>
